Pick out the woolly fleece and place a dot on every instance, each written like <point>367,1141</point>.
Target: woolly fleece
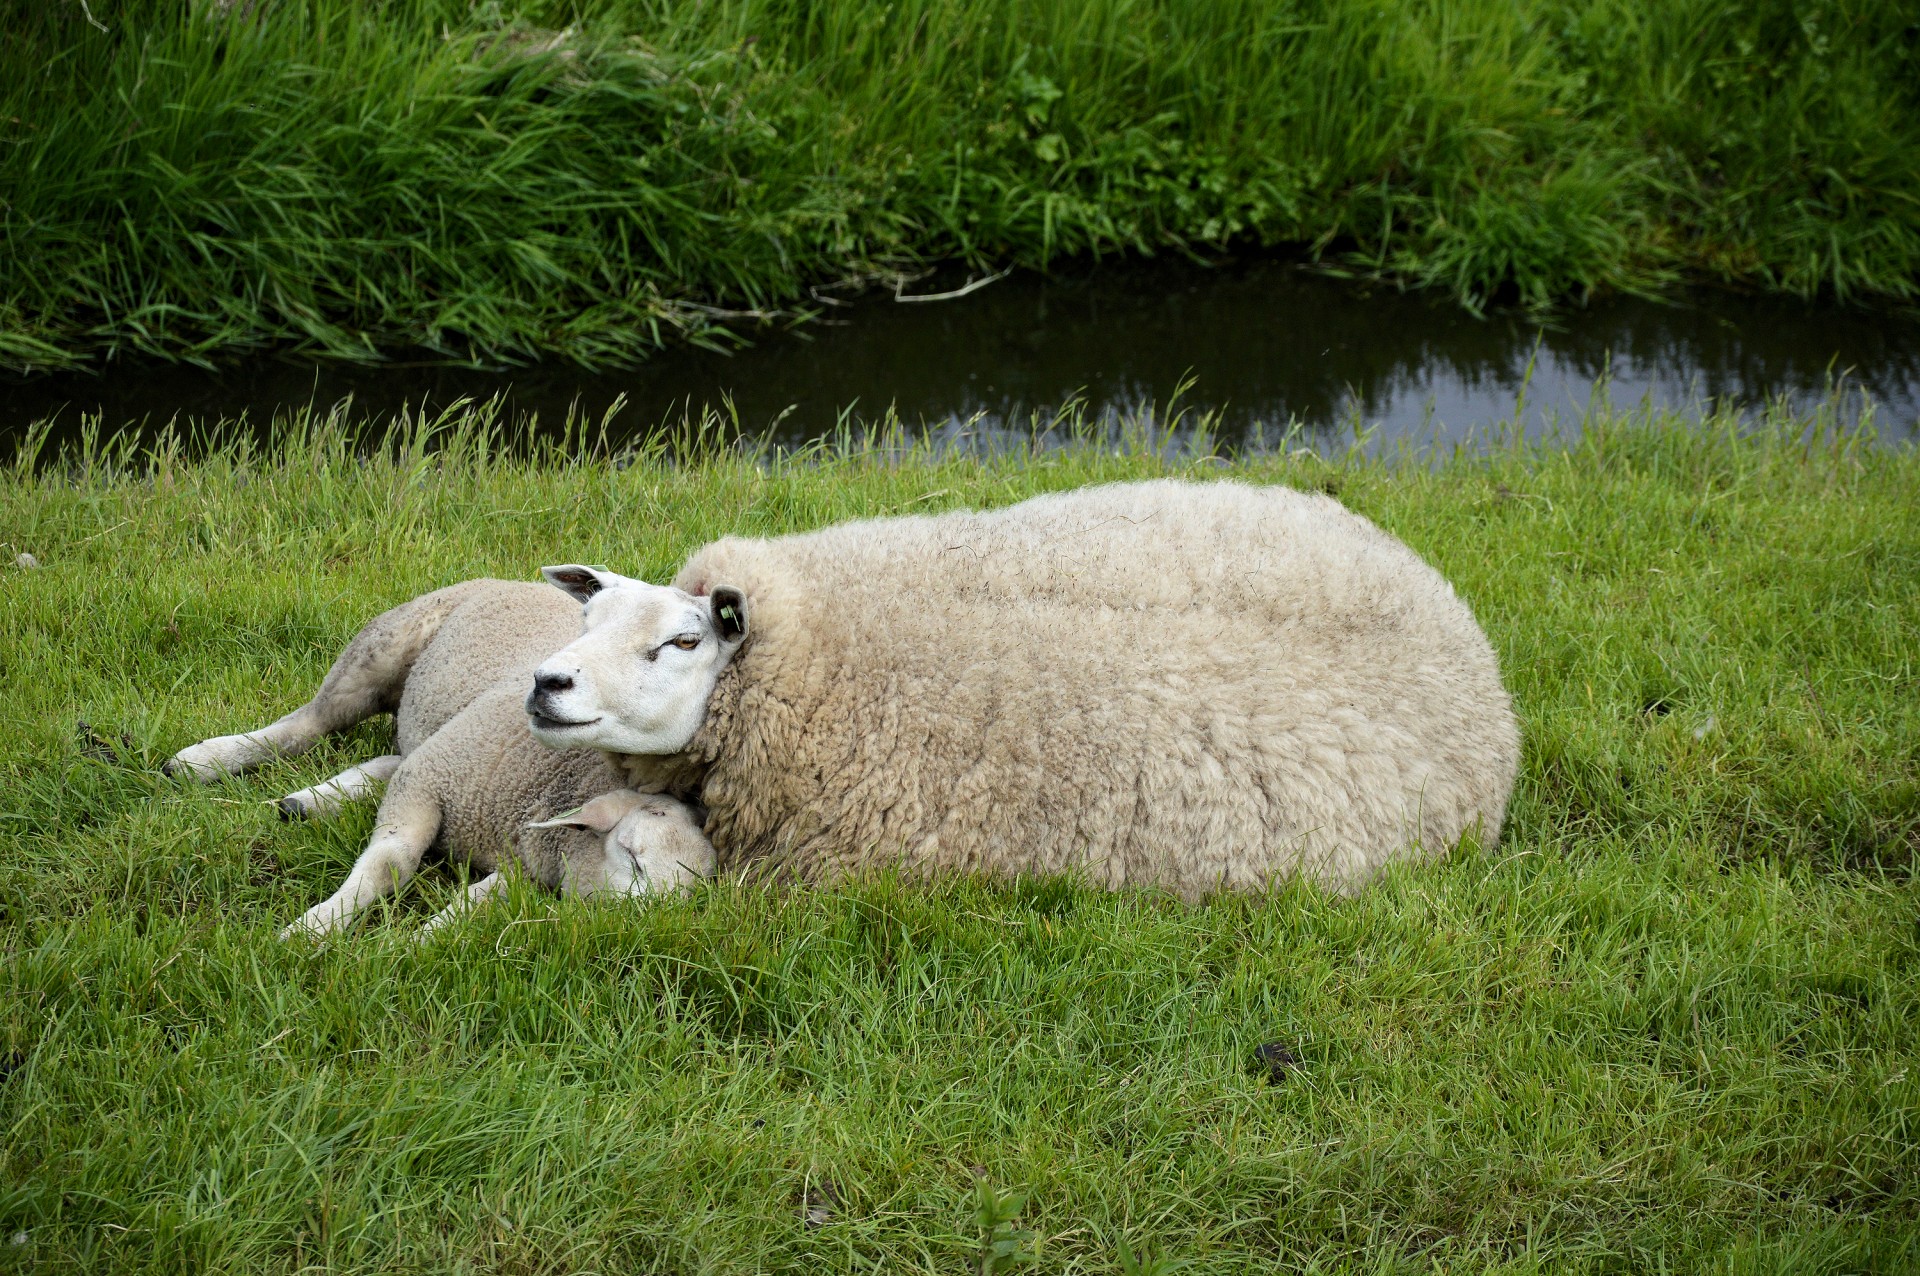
<point>1171,684</point>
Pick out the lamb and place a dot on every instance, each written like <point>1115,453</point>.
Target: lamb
<point>452,666</point>
<point>1166,684</point>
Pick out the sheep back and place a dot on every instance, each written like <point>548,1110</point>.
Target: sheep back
<point>494,631</point>
<point>1190,686</point>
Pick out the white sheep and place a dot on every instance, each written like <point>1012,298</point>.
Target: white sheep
<point>453,666</point>
<point>1171,684</point>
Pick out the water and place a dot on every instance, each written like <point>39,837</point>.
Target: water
<point>1261,345</point>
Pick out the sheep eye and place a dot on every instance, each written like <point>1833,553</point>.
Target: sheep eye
<point>686,642</point>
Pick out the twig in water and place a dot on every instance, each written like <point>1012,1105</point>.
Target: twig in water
<point>719,312</point>
<point>962,291</point>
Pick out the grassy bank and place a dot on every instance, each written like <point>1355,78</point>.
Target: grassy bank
<point>1667,1024</point>
<point>585,179</point>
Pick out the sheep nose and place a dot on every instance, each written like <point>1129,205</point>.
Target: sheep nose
<point>547,683</point>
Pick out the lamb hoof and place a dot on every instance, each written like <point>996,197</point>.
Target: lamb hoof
<point>200,763</point>
<point>292,808</point>
<point>218,758</point>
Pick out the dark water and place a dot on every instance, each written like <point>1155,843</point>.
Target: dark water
<point>1263,344</point>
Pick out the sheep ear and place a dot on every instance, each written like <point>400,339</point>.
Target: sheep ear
<point>729,613</point>
<point>582,582</point>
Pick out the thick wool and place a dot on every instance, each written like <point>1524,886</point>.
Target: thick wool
<point>1188,686</point>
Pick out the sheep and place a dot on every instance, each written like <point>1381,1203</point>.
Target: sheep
<point>469,778</point>
<point>1167,684</point>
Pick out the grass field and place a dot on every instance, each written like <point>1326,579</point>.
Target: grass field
<point>585,178</point>
<point>1668,1024</point>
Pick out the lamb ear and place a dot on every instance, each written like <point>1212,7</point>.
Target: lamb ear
<point>729,613</point>
<point>568,820</point>
<point>598,816</point>
<point>582,582</point>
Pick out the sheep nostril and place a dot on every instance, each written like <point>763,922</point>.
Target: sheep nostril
<point>551,682</point>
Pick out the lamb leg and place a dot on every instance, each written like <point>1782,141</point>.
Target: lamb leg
<point>330,797</point>
<point>407,828</point>
<point>367,679</point>
<point>475,895</point>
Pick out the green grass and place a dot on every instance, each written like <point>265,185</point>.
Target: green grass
<point>587,179</point>
<point>1667,1024</point>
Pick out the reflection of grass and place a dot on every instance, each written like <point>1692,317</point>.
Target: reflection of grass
<point>1670,1017</point>
<point>585,179</point>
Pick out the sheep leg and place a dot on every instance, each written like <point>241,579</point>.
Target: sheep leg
<point>330,797</point>
<point>392,857</point>
<point>367,679</point>
<point>475,895</point>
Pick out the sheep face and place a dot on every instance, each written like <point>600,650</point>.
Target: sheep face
<point>631,843</point>
<point>638,678</point>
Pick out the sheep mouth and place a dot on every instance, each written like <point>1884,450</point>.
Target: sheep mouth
<point>542,722</point>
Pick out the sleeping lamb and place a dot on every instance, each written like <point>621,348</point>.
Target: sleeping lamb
<point>452,666</point>
<point>1188,686</point>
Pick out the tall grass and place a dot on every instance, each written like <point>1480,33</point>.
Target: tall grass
<point>586,179</point>
<point>1666,1025</point>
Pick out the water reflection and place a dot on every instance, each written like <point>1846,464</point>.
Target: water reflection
<point>1262,344</point>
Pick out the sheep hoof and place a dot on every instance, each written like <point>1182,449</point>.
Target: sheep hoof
<point>292,808</point>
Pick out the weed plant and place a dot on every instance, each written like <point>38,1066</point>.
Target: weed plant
<point>1667,1023</point>
<point>588,178</point>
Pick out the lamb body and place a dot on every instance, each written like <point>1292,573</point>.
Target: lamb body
<point>1188,686</point>
<point>469,780</point>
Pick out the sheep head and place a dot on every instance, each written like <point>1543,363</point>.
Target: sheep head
<point>638,678</point>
